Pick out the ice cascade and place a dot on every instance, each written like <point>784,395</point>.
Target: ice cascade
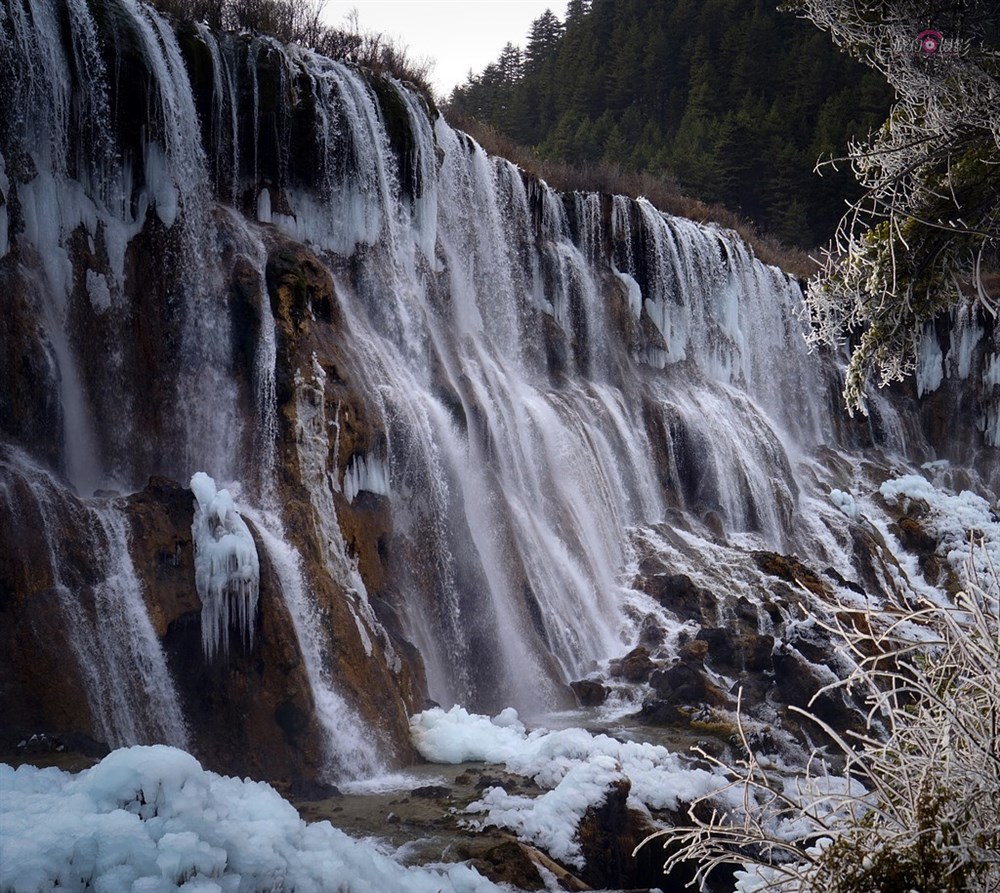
<point>226,567</point>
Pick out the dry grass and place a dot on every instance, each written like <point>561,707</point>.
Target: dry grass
<point>665,194</point>
<point>301,22</point>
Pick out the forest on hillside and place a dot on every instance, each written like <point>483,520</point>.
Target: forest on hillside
<point>732,99</point>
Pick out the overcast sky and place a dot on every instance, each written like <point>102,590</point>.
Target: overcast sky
<point>456,34</point>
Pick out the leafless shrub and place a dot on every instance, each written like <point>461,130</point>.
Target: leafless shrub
<point>301,22</point>
<point>915,807</point>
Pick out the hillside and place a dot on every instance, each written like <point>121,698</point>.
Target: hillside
<point>732,98</point>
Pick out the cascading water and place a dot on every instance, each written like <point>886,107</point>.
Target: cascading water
<point>130,692</point>
<point>521,381</point>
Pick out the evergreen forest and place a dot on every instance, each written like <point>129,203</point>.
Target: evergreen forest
<point>732,99</point>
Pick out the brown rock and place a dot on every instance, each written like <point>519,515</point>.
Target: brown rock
<point>634,666</point>
<point>914,537</point>
<point>679,594</point>
<point>791,570</point>
<point>608,834</point>
<point>509,863</point>
<point>41,683</point>
<point>160,519</point>
<point>308,327</point>
<point>589,693</point>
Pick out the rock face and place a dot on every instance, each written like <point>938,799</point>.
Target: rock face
<point>251,709</point>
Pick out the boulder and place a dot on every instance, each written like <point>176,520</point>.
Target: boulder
<point>679,594</point>
<point>589,693</point>
<point>634,666</point>
<point>740,652</point>
<point>608,834</point>
<point>683,684</point>
<point>508,863</point>
<point>791,570</point>
<point>797,682</point>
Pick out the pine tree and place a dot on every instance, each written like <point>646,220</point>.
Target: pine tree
<point>543,39</point>
<point>654,85</point>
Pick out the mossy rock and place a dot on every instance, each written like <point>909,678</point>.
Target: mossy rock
<point>791,570</point>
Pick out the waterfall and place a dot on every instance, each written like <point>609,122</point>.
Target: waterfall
<point>501,389</point>
<point>351,751</point>
<point>129,688</point>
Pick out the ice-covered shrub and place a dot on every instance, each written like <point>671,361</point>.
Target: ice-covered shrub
<point>914,804</point>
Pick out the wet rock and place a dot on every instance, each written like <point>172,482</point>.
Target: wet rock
<point>791,570</point>
<point>41,683</point>
<point>659,712</point>
<point>608,835</point>
<point>634,666</point>
<point>914,537</point>
<point>651,635</point>
<point>741,652</point>
<point>840,580</point>
<point>589,693</point>
<point>798,682</point>
<point>679,688</point>
<point>679,594</point>
<point>30,414</point>
<point>508,863</point>
<point>311,789</point>
<point>694,652</point>
<point>870,555</point>
<point>682,684</point>
<point>495,781</point>
<point>162,550</point>
<point>431,792</point>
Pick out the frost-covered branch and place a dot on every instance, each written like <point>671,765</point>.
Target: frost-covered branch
<point>915,243</point>
<point>914,807</point>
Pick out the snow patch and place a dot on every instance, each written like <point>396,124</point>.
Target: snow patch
<point>98,291</point>
<point>575,766</point>
<point>845,502</point>
<point>955,521</point>
<point>152,819</point>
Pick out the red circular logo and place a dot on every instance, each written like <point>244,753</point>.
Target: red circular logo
<point>930,41</point>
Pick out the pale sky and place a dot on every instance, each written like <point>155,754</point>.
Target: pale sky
<point>456,34</point>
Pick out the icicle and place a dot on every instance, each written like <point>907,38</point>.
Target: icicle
<point>368,473</point>
<point>930,363</point>
<point>227,571</point>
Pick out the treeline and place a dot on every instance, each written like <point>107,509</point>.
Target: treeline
<point>301,22</point>
<point>732,99</point>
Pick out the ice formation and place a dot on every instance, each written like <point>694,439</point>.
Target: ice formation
<point>949,520</point>
<point>367,473</point>
<point>152,820</point>
<point>576,767</point>
<point>226,567</point>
